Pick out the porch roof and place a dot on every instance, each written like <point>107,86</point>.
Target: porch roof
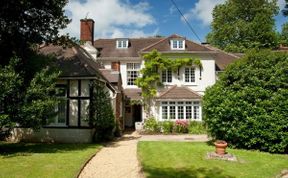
<point>133,94</point>
<point>176,92</point>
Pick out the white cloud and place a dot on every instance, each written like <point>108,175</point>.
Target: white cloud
<point>203,11</point>
<point>110,16</point>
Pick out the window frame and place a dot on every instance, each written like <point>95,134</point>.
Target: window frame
<point>176,106</point>
<point>166,73</point>
<point>122,43</point>
<point>190,74</point>
<point>62,96</point>
<point>176,45</point>
<point>132,73</point>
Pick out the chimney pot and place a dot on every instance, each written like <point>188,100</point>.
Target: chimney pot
<point>87,30</point>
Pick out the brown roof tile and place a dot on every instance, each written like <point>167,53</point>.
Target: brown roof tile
<point>111,75</point>
<point>176,92</point>
<point>107,47</point>
<point>72,61</point>
<point>164,45</point>
<point>133,94</point>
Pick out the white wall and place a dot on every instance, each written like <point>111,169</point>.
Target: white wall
<point>60,135</point>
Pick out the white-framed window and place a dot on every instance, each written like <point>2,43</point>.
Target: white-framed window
<point>177,44</point>
<point>122,43</point>
<point>189,73</point>
<point>167,76</point>
<point>132,72</point>
<point>184,110</point>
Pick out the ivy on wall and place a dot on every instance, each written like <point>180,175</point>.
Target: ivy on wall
<point>154,63</point>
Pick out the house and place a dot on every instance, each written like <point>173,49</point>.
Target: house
<point>181,95</point>
<point>74,87</point>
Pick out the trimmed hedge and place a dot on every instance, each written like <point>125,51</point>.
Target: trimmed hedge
<point>248,105</point>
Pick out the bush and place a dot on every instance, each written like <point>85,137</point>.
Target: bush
<point>196,128</point>
<point>101,110</point>
<point>181,126</point>
<point>151,125</point>
<point>247,106</point>
<point>167,127</point>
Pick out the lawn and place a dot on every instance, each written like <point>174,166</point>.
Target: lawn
<point>43,160</point>
<point>188,160</point>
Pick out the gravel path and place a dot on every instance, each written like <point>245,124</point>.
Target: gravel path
<point>116,160</point>
<point>119,158</point>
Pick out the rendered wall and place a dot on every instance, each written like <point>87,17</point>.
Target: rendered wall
<point>57,135</point>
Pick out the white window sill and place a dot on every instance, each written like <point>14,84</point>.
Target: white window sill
<point>191,84</point>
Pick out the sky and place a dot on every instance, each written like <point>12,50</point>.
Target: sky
<point>143,18</point>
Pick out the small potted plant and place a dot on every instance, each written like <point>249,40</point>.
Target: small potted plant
<point>220,146</point>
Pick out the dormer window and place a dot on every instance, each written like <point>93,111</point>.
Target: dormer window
<point>122,43</point>
<point>177,44</point>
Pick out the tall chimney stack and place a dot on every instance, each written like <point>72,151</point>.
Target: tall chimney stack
<point>87,30</point>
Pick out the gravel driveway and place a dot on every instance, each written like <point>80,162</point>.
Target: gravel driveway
<point>119,159</point>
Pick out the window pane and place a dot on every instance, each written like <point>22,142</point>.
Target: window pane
<point>73,87</point>
<point>188,112</point>
<point>172,112</point>
<point>187,74</point>
<point>164,77</point>
<point>192,74</point>
<point>84,112</point>
<point>164,112</point>
<point>132,72</point>
<point>180,44</point>
<point>85,89</point>
<point>169,75</point>
<point>196,112</point>
<point>180,112</point>
<point>73,113</point>
<point>174,43</point>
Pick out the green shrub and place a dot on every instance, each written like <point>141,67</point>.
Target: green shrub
<point>101,110</point>
<point>181,126</point>
<point>247,106</point>
<point>167,127</point>
<point>196,128</point>
<point>151,125</point>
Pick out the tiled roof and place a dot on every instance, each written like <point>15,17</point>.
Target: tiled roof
<point>73,62</point>
<point>133,94</point>
<point>111,75</point>
<point>107,47</point>
<point>176,92</point>
<point>164,45</point>
<point>108,51</point>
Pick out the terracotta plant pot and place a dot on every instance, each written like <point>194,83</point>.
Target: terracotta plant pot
<point>220,146</point>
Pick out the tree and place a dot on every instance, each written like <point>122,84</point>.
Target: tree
<point>248,105</point>
<point>26,106</point>
<point>26,80</point>
<point>102,117</point>
<point>240,25</point>
<point>284,34</point>
<point>285,10</point>
<point>28,22</point>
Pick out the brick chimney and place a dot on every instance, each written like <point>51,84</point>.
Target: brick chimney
<point>87,30</point>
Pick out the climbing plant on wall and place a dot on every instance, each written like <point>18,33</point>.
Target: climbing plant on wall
<point>150,79</point>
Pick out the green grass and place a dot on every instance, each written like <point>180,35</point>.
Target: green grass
<point>188,160</point>
<point>43,160</point>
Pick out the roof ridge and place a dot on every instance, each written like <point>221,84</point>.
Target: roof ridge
<point>189,89</point>
<point>220,50</point>
<point>169,89</point>
<point>154,44</point>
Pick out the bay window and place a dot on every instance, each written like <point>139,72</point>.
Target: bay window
<point>186,110</point>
